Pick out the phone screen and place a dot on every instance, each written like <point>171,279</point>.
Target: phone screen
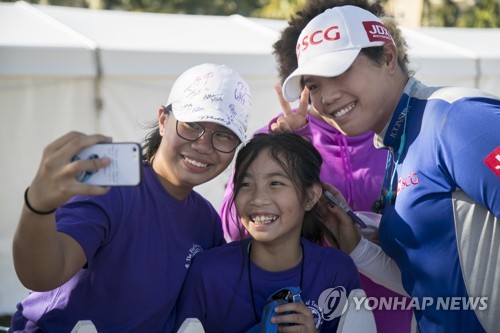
<point>125,167</point>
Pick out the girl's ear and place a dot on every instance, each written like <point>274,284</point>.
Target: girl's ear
<point>312,196</point>
<point>162,116</point>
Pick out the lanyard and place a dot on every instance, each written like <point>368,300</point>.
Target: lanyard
<point>388,193</point>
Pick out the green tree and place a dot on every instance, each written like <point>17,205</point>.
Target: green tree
<point>200,7</point>
<point>444,13</point>
<point>440,15</point>
<point>279,9</point>
<point>483,14</point>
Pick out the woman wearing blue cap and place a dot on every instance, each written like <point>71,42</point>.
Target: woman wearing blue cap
<point>118,256</point>
<point>439,200</point>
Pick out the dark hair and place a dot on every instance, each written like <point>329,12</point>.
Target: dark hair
<point>152,140</point>
<point>284,48</point>
<point>301,162</point>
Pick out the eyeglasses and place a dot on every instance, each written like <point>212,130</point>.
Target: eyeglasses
<point>222,141</point>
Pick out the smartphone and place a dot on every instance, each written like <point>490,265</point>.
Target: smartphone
<point>125,167</point>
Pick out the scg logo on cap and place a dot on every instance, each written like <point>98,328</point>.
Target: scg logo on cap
<point>317,37</point>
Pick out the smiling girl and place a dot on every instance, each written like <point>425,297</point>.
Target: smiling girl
<point>118,256</point>
<point>276,194</point>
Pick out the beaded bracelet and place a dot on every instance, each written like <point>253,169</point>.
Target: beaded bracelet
<point>31,207</point>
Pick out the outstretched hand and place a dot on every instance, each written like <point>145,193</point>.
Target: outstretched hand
<point>55,181</point>
<point>291,120</point>
<point>338,222</point>
<point>297,314</point>
<point>44,258</point>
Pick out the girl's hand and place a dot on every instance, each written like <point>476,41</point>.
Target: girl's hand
<point>55,181</point>
<point>338,222</point>
<point>44,258</point>
<point>298,315</point>
<point>291,120</point>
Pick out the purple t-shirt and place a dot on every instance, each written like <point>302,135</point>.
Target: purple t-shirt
<point>217,288</point>
<point>139,242</point>
<point>355,167</point>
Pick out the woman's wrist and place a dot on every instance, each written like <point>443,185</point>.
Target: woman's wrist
<point>34,210</point>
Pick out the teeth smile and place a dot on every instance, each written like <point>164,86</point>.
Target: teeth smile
<point>344,110</point>
<point>196,163</point>
<point>263,219</point>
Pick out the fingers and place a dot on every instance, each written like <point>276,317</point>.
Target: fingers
<point>274,128</point>
<point>63,140</point>
<point>340,224</point>
<point>304,102</point>
<point>71,143</point>
<point>297,314</point>
<point>291,120</point>
<point>332,208</point>
<point>91,164</point>
<point>283,125</point>
<point>77,140</point>
<point>285,106</point>
<point>57,160</point>
<point>333,190</point>
<point>55,181</point>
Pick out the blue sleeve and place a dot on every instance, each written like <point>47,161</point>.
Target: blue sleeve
<point>470,137</point>
<point>90,220</point>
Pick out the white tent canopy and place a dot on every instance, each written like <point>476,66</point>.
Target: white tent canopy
<point>65,69</point>
<point>481,45</point>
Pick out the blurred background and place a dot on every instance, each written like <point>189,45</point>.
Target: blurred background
<point>445,13</point>
<point>107,65</point>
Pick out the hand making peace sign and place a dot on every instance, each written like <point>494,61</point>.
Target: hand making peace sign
<point>291,120</point>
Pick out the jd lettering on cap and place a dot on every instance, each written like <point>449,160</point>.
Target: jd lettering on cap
<point>377,32</point>
<point>331,41</point>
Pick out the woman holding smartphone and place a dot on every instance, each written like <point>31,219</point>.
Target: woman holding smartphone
<point>118,256</point>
